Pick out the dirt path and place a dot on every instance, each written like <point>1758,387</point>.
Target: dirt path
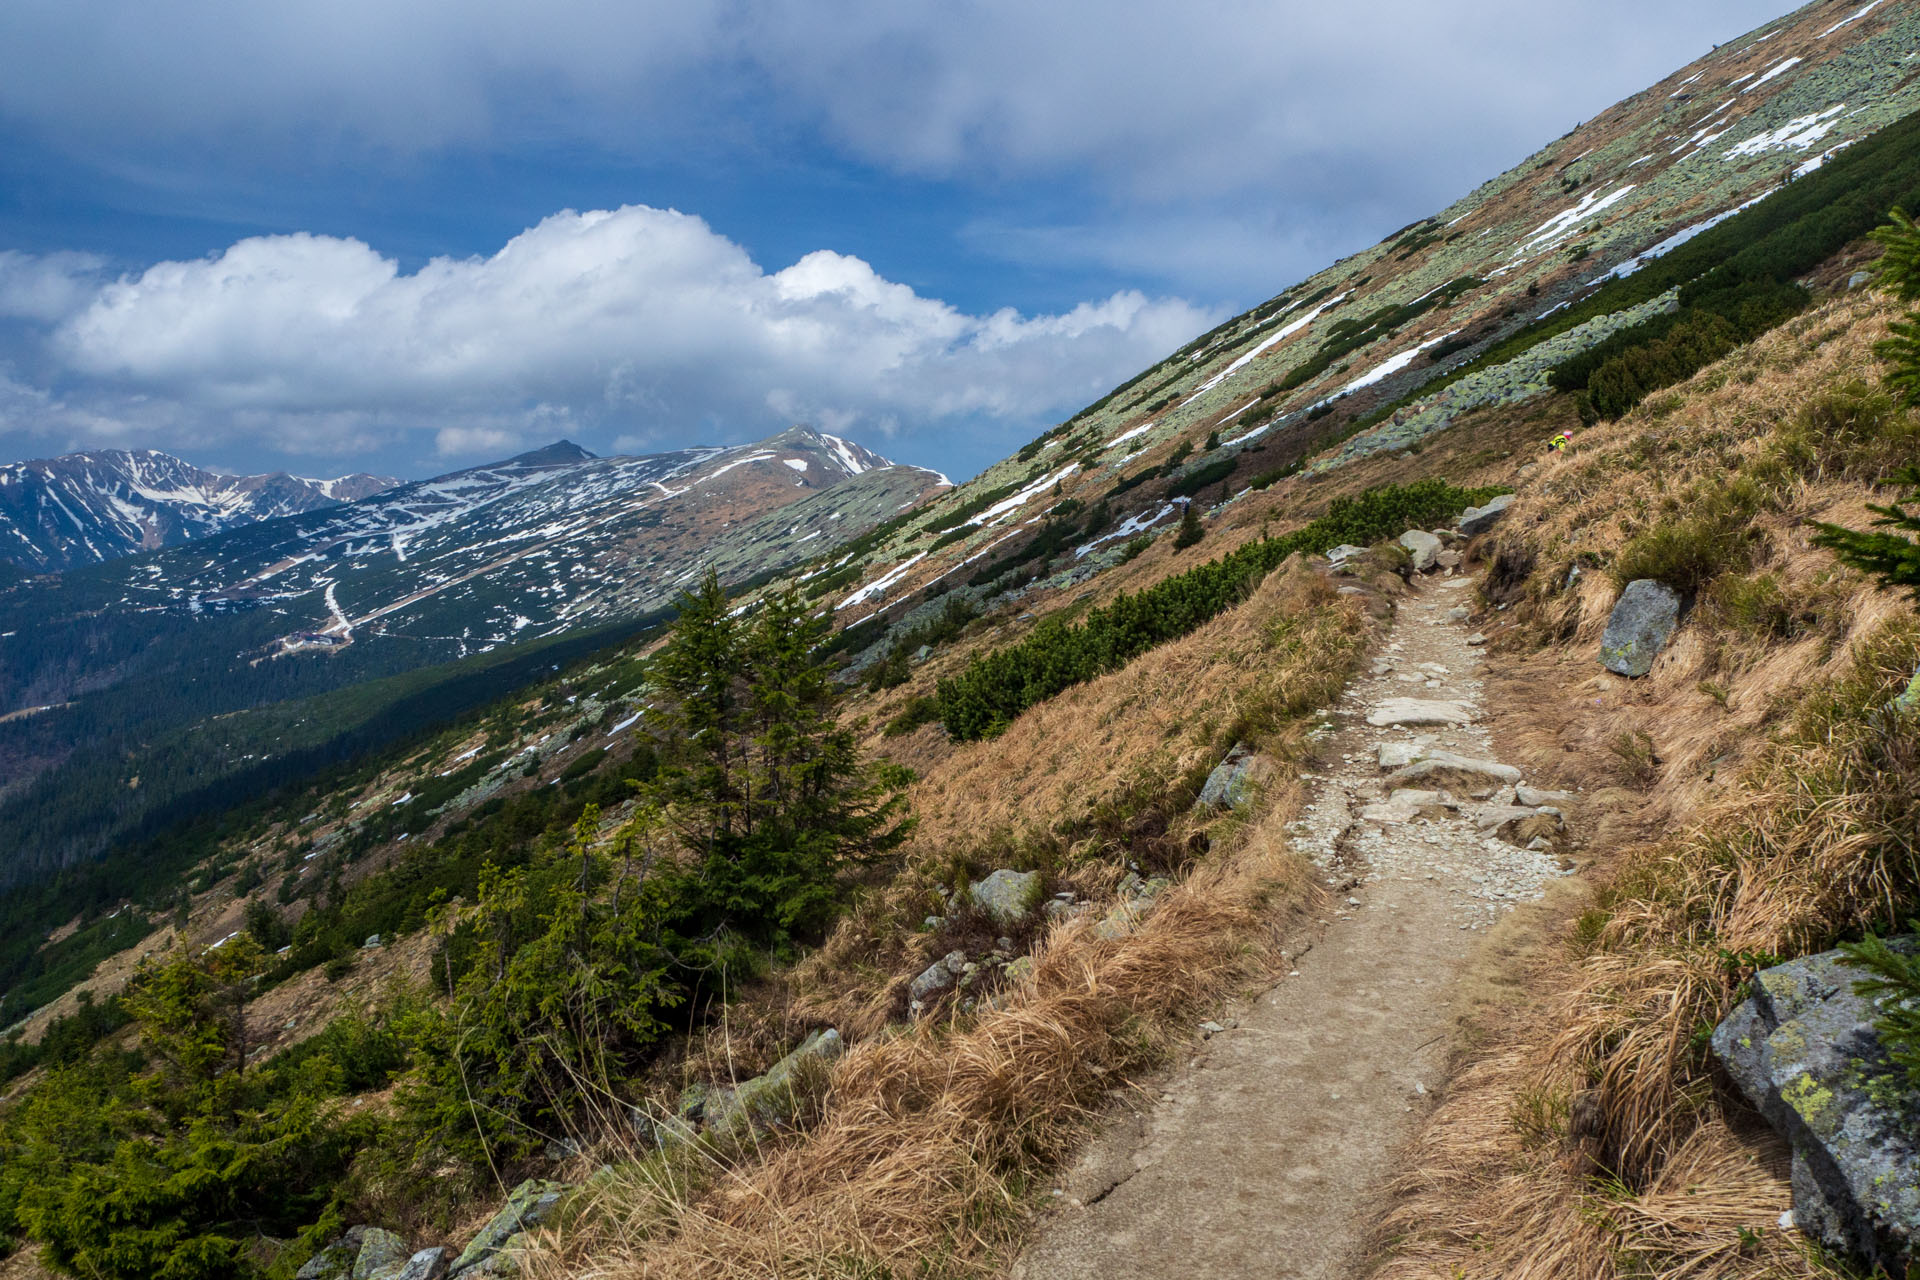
<point>1266,1151</point>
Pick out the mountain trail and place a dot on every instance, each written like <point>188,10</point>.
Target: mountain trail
<point>1267,1152</point>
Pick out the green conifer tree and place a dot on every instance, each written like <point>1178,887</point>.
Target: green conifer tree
<point>1190,529</point>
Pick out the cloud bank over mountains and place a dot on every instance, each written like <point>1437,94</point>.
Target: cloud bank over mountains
<point>1116,158</point>
<point>636,320</point>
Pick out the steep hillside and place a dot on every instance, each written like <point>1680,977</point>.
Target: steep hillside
<point>641,910</point>
<point>82,508</point>
<point>1598,234</point>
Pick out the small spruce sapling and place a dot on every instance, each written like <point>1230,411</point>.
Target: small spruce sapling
<point>1887,551</point>
<point>1190,530</point>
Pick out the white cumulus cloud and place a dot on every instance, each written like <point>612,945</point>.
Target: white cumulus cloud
<point>637,321</point>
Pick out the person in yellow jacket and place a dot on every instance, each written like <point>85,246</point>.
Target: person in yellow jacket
<point>1560,443</point>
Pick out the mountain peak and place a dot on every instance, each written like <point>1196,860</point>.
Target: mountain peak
<point>837,452</point>
<point>555,454</point>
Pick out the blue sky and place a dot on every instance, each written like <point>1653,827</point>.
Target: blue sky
<point>409,236</point>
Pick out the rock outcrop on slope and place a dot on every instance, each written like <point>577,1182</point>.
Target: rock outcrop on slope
<point>1805,1052</point>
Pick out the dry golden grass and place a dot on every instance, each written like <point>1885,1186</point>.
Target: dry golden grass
<point>929,1142</point>
<point>1161,718</point>
<point>1589,1138</point>
<point>1101,774</point>
<point>925,1155</point>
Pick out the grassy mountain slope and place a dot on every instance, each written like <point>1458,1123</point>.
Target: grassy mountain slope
<point>924,1151</point>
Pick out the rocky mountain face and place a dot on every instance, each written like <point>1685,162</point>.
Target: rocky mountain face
<point>82,508</point>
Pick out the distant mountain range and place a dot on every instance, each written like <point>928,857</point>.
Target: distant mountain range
<point>113,674</point>
<point>522,548</point>
<point>83,508</point>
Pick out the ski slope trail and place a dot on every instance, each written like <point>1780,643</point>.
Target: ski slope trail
<point>1266,1154</point>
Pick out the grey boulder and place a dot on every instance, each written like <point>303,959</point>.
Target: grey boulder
<point>335,1261</point>
<point>771,1101</point>
<point>1642,622</point>
<point>530,1204</point>
<point>428,1264</point>
<point>935,978</point>
<point>382,1254</point>
<point>1422,547</point>
<point>1136,898</point>
<point>1805,1052</point>
<point>1480,519</point>
<point>1908,701</point>
<point>1236,781</point>
<point>1008,898</point>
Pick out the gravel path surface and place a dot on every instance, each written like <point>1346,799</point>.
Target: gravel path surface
<point>1264,1154</point>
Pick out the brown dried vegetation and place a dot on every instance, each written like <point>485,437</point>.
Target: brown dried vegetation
<point>1589,1136</point>
<point>924,1158</point>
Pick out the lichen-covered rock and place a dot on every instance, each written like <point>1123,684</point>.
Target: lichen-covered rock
<point>1009,898</point>
<point>1642,622</point>
<point>1236,781</point>
<point>335,1261</point>
<point>1480,519</point>
<point>1421,547</point>
<point>428,1264</point>
<point>1136,897</point>
<point>504,1261</point>
<point>382,1254</point>
<point>1909,700</point>
<point>1805,1051</point>
<point>528,1205</point>
<point>770,1102</point>
<point>935,978</point>
<point>1058,909</point>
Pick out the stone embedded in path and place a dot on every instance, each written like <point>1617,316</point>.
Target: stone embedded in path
<point>1517,824</point>
<point>1415,711</point>
<point>1407,804</point>
<point>1398,755</point>
<point>1422,547</point>
<point>1641,624</point>
<point>1444,768</point>
<point>1534,798</point>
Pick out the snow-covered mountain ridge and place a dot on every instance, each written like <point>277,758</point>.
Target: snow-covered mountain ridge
<point>83,508</point>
